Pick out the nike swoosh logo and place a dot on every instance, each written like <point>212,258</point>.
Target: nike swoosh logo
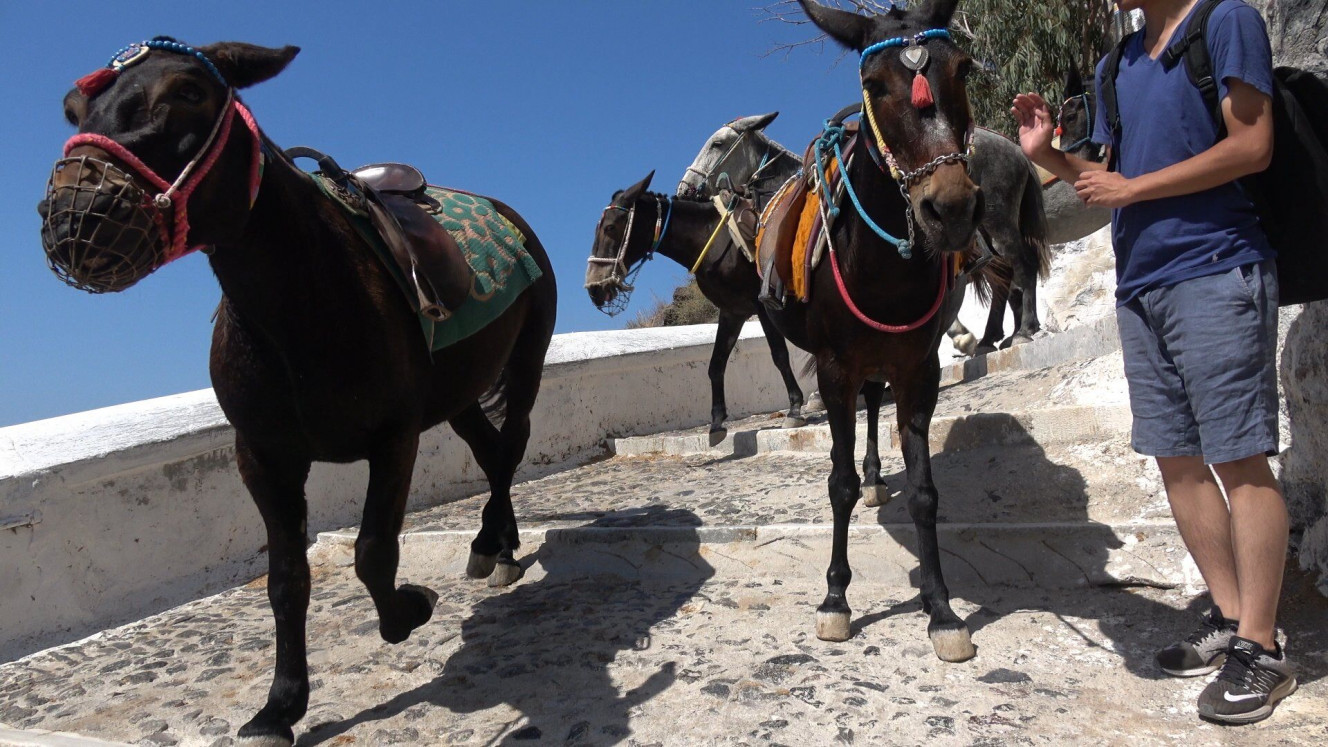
<point>1237,698</point>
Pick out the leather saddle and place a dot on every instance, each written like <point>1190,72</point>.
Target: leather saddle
<point>394,197</point>
<point>790,206</point>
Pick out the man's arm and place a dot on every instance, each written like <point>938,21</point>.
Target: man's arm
<point>1247,149</point>
<point>1035,133</point>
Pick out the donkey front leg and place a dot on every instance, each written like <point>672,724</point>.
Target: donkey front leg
<point>916,401</point>
<point>730,325</point>
<point>377,552</point>
<point>834,615</point>
<point>779,354</point>
<point>278,490</point>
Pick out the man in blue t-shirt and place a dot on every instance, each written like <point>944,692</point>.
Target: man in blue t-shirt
<point>1196,302</point>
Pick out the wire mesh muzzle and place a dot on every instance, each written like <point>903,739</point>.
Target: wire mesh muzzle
<point>99,230</point>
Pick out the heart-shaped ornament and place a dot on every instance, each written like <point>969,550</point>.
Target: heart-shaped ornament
<point>913,57</point>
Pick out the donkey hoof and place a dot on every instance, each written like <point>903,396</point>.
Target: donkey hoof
<point>1020,339</point>
<point>480,566</point>
<point>506,574</point>
<point>267,740</point>
<point>833,626</point>
<point>814,402</point>
<point>717,436</point>
<point>966,343</point>
<point>794,421</point>
<point>430,596</point>
<point>261,732</point>
<point>952,644</point>
<point>875,495</point>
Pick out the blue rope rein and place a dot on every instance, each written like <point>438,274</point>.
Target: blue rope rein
<point>830,140</point>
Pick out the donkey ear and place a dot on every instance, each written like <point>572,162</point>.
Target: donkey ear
<point>1074,85</point>
<point>243,65</point>
<point>939,12</point>
<point>849,29</point>
<point>634,192</point>
<point>757,122</point>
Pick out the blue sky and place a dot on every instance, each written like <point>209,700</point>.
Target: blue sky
<point>549,106</point>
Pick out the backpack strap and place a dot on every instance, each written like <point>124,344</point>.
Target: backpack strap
<point>1193,49</point>
<point>1107,85</point>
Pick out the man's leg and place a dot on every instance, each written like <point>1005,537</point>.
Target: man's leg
<point>1205,525</point>
<point>1258,542</point>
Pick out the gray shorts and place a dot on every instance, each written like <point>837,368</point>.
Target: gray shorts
<point>1199,359</point>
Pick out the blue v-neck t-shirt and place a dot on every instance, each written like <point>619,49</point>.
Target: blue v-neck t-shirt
<point>1163,122</point>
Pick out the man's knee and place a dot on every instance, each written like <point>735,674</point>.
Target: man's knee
<point>1252,471</point>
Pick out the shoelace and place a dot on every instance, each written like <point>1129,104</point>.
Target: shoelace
<point>1211,626</point>
<point>1242,669</point>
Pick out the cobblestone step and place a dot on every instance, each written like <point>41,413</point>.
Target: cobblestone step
<point>570,656</point>
<point>1044,555</point>
<point>1045,427</point>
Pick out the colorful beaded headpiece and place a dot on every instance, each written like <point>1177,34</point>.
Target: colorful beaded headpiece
<point>97,81</point>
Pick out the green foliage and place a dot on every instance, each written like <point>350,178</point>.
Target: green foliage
<point>1028,45</point>
<point>688,307</point>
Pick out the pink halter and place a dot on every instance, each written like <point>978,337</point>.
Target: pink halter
<point>177,194</point>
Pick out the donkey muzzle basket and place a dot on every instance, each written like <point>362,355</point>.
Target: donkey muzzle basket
<point>99,229</point>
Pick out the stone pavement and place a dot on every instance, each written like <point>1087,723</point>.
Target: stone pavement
<point>668,599</point>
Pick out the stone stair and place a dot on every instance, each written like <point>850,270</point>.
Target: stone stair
<point>669,592</point>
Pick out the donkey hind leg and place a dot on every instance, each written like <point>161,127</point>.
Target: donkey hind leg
<point>493,552</point>
<point>377,551</point>
<point>916,401</point>
<point>779,354</point>
<point>1024,304</point>
<point>874,492</point>
<point>499,453</point>
<point>278,491</point>
<point>834,615</point>
<point>726,336</point>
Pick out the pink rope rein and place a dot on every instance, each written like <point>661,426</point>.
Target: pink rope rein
<point>888,328</point>
<point>177,245</point>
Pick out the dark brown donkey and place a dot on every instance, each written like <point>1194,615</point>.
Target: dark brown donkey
<point>681,230</point>
<point>876,314</point>
<point>316,356</point>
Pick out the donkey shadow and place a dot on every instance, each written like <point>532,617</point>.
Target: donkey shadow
<point>1128,623</point>
<point>544,646</point>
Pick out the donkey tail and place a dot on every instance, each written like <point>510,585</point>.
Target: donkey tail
<point>1033,222</point>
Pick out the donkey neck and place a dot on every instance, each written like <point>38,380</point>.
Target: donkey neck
<point>690,227</point>
<point>295,267</point>
<point>866,260</point>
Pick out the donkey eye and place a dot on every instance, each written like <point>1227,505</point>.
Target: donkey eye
<point>964,68</point>
<point>190,93</point>
<point>716,145</point>
<point>875,88</point>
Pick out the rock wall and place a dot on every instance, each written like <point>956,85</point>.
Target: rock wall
<point>1296,29</point>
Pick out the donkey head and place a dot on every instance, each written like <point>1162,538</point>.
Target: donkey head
<point>623,238</point>
<point>1074,120</point>
<point>915,91</point>
<point>735,150</point>
<point>166,159</point>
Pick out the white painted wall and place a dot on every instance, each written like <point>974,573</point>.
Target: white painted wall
<point>110,515</point>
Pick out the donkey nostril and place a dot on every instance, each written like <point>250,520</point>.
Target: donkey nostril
<point>930,212</point>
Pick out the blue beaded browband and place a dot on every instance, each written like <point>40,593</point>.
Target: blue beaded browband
<point>902,41</point>
<point>134,53</point>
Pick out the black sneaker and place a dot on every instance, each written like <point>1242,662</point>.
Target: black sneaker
<point>1202,651</point>
<point>1251,683</point>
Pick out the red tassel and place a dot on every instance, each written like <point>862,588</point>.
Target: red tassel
<point>922,97</point>
<point>95,82</point>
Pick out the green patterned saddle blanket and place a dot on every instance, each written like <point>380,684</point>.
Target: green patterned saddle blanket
<point>494,248</point>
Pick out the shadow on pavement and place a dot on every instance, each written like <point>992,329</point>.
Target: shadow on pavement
<point>543,647</point>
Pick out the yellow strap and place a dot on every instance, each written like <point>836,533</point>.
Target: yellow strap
<point>722,220</point>
<point>880,141</point>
